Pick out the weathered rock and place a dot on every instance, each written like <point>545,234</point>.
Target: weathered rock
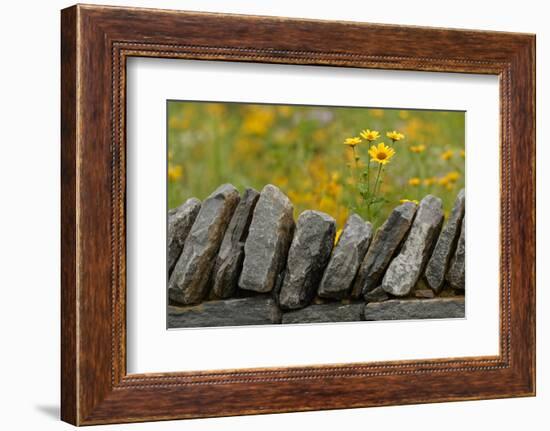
<point>256,310</point>
<point>424,293</point>
<point>403,309</point>
<point>190,279</point>
<point>457,273</point>
<point>384,246</point>
<point>445,246</point>
<point>346,258</point>
<point>405,269</point>
<point>307,258</point>
<point>180,221</point>
<point>376,295</point>
<point>226,276</point>
<point>333,312</point>
<point>269,237</point>
<point>231,254</point>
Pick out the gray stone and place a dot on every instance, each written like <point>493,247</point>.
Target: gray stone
<point>346,258</point>
<point>307,258</point>
<point>180,221</point>
<point>190,279</point>
<point>256,310</point>
<point>457,273</point>
<point>324,313</point>
<point>231,254</point>
<point>226,275</point>
<point>376,295</point>
<point>403,309</point>
<point>384,245</point>
<point>445,246</point>
<point>424,293</point>
<point>405,269</point>
<point>269,237</point>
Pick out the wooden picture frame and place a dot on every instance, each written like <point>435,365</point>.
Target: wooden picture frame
<point>95,43</point>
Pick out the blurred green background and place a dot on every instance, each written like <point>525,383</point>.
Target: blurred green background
<point>301,150</point>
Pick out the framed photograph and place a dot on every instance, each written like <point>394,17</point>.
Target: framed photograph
<point>266,215</point>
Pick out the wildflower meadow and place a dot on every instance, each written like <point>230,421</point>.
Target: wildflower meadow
<point>337,160</point>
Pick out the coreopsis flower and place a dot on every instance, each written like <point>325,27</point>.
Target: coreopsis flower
<point>429,181</point>
<point>175,172</point>
<point>447,155</point>
<point>414,181</point>
<point>370,135</point>
<point>353,141</point>
<point>414,201</point>
<point>395,136</point>
<point>417,148</point>
<point>381,154</point>
<point>443,181</point>
<point>453,176</point>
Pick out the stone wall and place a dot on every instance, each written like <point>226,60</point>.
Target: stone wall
<point>243,260</point>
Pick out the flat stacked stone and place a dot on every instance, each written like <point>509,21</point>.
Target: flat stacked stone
<point>256,310</point>
<point>307,258</point>
<point>346,258</point>
<point>231,254</point>
<point>456,275</point>
<point>445,246</point>
<point>269,238</point>
<point>324,313</point>
<point>190,278</point>
<point>180,221</point>
<point>385,244</point>
<point>403,309</point>
<point>406,268</point>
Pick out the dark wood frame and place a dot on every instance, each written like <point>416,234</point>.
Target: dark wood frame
<point>95,43</point>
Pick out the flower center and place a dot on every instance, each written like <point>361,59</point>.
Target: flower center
<point>382,156</point>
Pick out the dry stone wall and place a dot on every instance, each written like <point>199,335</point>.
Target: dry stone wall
<point>243,260</point>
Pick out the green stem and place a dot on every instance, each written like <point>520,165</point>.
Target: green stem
<point>368,178</point>
<point>371,198</point>
<point>377,179</point>
<point>356,174</point>
<point>355,159</point>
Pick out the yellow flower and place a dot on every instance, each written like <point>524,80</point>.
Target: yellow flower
<point>443,181</point>
<point>447,155</point>
<point>370,135</point>
<point>417,148</point>
<point>215,108</point>
<point>395,136</point>
<point>429,181</point>
<point>381,154</point>
<point>453,176</point>
<point>378,113</point>
<point>337,236</point>
<point>415,181</point>
<point>281,181</point>
<point>462,153</point>
<point>352,142</point>
<point>175,172</point>
<point>414,201</point>
<point>258,120</point>
<point>403,115</point>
